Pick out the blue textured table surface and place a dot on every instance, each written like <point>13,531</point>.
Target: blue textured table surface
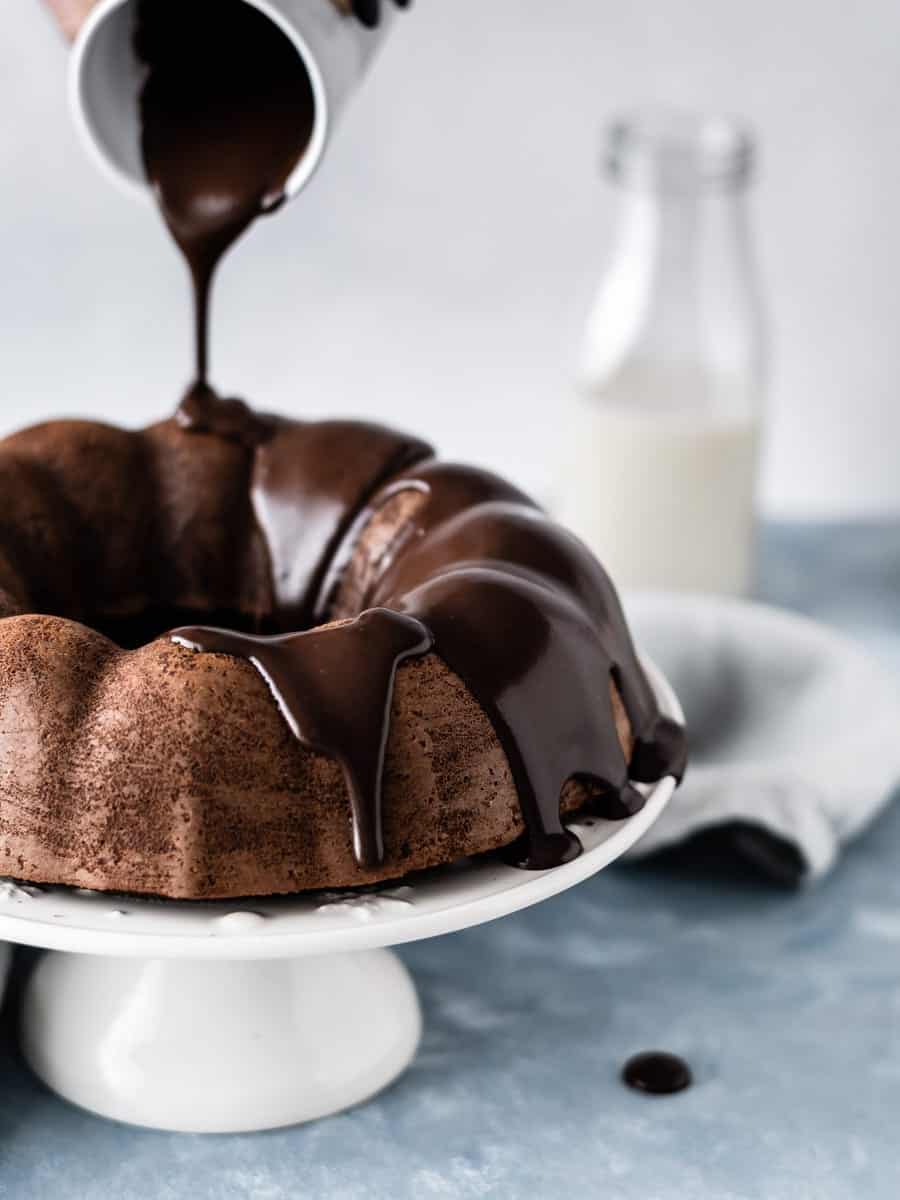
<point>787,1005</point>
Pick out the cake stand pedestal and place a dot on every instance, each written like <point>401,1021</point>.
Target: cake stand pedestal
<point>225,1017</point>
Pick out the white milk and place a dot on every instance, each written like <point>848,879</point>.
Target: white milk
<point>665,499</point>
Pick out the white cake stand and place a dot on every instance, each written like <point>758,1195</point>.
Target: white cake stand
<point>225,1017</point>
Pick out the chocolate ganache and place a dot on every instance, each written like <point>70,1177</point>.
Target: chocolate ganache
<point>227,111</point>
<point>516,607</point>
<point>657,1073</point>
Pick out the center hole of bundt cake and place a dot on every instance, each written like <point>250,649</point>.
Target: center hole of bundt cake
<point>138,629</point>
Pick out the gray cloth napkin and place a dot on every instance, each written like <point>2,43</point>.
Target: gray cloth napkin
<point>794,731</point>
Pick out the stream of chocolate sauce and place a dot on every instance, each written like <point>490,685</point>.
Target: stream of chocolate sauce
<point>516,606</point>
<point>227,111</point>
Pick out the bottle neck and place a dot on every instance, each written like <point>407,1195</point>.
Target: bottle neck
<point>679,300</point>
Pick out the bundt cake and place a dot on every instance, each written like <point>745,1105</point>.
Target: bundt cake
<point>465,677</point>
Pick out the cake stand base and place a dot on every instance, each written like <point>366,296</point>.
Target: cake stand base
<point>220,1046</point>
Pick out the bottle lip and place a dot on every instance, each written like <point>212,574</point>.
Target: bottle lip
<point>678,150</point>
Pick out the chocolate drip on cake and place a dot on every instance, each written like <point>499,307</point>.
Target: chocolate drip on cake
<point>528,618</point>
<point>308,482</point>
<point>202,411</point>
<point>334,687</point>
<point>516,606</point>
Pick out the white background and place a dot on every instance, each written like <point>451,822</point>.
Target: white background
<point>436,273</point>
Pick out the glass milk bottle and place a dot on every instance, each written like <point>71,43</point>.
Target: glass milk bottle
<point>666,434</point>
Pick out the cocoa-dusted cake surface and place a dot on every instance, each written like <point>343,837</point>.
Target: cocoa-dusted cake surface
<point>135,760</point>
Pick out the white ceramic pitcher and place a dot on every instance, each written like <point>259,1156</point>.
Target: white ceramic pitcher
<point>106,76</point>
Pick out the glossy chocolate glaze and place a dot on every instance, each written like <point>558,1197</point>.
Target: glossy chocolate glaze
<point>528,618</point>
<point>334,686</point>
<point>657,1073</point>
<point>202,411</point>
<point>227,111</point>
<point>308,482</point>
<point>514,604</point>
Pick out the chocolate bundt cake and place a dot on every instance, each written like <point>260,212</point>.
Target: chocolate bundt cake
<point>465,677</point>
